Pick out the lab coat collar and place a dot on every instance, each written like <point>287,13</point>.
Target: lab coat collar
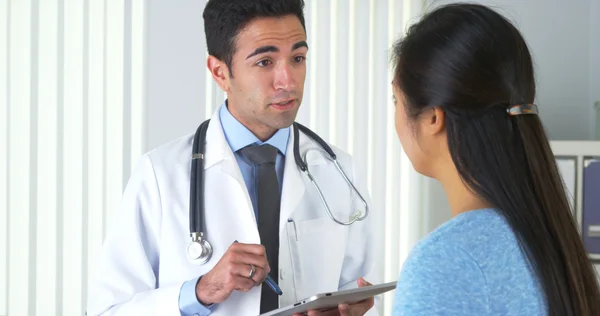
<point>218,149</point>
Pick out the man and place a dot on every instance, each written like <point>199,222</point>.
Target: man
<point>261,215</point>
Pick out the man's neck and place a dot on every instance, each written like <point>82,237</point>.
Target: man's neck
<point>261,131</point>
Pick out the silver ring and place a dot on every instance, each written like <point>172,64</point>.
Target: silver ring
<point>252,271</point>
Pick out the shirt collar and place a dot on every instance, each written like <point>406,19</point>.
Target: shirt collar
<point>238,136</point>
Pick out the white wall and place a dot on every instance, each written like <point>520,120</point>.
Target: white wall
<point>176,82</point>
<point>594,58</point>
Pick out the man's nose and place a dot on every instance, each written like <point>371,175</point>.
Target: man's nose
<point>284,79</point>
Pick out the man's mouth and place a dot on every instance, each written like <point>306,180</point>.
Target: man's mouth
<point>284,105</point>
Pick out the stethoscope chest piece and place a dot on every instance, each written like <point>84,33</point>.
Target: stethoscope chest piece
<point>199,251</point>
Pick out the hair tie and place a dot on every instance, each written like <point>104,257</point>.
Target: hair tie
<point>520,109</point>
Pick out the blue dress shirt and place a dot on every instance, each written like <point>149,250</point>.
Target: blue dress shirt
<point>238,137</point>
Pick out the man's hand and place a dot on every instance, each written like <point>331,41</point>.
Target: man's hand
<point>357,309</point>
<point>232,273</point>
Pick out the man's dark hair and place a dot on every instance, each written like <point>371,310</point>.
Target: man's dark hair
<point>224,19</point>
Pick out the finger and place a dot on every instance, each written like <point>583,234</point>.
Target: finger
<point>259,275</point>
<point>248,259</point>
<point>359,308</point>
<point>362,282</point>
<point>258,262</point>
<point>244,271</point>
<point>255,249</point>
<point>367,304</point>
<point>345,310</point>
<point>330,312</point>
<point>242,284</point>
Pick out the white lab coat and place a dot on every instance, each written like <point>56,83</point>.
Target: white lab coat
<point>143,262</point>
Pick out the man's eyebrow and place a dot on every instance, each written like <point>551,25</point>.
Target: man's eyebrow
<point>273,49</point>
<point>262,50</point>
<point>300,44</point>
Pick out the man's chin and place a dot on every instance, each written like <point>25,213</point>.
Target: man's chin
<point>285,119</point>
<point>282,123</point>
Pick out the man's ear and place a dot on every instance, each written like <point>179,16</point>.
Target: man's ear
<point>219,72</point>
<point>434,121</point>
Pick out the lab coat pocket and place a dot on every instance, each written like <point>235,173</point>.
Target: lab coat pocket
<point>318,247</point>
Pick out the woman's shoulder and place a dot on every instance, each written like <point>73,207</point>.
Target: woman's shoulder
<point>481,240</point>
<point>457,266</point>
<point>470,229</point>
<point>439,276</point>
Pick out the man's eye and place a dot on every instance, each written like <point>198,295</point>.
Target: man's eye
<point>299,59</point>
<point>263,63</point>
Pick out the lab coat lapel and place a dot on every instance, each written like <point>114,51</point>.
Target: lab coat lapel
<point>293,185</point>
<point>294,179</point>
<point>219,155</point>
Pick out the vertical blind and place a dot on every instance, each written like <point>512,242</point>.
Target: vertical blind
<point>71,124</point>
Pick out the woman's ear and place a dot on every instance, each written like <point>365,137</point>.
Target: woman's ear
<point>434,120</point>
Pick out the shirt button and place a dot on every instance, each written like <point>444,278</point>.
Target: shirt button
<point>196,314</point>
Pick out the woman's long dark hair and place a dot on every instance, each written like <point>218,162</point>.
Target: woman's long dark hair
<point>473,63</point>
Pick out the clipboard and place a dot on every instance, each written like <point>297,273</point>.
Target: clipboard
<point>329,300</point>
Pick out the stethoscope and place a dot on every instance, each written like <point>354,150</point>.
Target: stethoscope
<point>200,250</point>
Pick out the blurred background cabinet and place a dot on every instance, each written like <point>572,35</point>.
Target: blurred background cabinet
<point>579,164</point>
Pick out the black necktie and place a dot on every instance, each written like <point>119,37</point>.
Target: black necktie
<point>268,201</point>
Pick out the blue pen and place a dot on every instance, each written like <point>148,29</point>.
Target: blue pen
<point>272,284</point>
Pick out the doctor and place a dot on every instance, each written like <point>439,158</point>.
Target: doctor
<point>254,192</point>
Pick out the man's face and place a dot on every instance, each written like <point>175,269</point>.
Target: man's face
<point>269,68</point>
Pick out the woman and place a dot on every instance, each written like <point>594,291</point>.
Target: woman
<point>464,90</point>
